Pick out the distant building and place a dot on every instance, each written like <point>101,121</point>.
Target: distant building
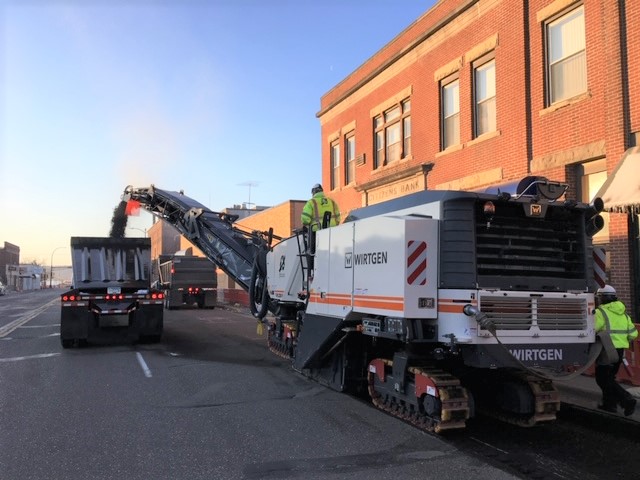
<point>9,256</point>
<point>25,277</point>
<point>61,276</point>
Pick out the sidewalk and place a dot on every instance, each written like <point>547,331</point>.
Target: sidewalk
<point>583,392</point>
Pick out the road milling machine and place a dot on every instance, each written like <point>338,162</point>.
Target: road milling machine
<point>439,304</point>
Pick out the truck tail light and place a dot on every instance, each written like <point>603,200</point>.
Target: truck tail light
<point>114,297</point>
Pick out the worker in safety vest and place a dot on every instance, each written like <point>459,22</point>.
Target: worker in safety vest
<point>315,209</point>
<point>611,316</point>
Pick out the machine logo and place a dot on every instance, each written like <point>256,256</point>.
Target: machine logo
<point>281,268</point>
<point>536,354</point>
<point>535,210</point>
<point>348,260</point>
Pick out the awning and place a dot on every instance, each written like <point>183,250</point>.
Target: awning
<point>621,191</point>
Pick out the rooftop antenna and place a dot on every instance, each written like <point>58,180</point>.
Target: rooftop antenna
<point>249,183</point>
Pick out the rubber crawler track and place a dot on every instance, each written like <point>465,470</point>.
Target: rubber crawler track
<point>546,403</point>
<point>454,398</point>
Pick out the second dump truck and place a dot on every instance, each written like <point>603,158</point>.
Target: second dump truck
<point>188,280</point>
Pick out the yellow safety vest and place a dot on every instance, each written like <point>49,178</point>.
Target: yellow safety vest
<point>314,211</point>
<point>612,317</point>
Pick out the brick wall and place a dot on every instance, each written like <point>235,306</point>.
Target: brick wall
<point>532,137</point>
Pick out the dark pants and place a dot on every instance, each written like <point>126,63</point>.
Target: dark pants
<point>612,393</point>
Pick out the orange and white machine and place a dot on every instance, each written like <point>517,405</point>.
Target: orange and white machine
<point>439,303</point>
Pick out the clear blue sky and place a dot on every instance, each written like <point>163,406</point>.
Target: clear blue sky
<point>204,96</point>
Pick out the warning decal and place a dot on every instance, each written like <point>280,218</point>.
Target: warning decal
<point>416,263</point>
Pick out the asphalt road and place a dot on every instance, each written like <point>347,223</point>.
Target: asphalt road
<point>209,402</point>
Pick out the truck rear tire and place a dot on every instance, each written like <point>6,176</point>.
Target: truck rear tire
<point>66,342</point>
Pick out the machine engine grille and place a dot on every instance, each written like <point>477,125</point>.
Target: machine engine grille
<point>513,244</point>
<point>523,313</point>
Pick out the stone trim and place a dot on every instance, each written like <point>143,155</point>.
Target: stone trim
<point>582,153</point>
<point>448,69</point>
<point>554,8</point>
<point>479,50</point>
<point>469,182</point>
<point>390,102</point>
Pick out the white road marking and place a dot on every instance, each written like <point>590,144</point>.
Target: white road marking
<point>488,445</point>
<point>10,327</point>
<point>29,357</point>
<point>41,326</point>
<point>143,364</point>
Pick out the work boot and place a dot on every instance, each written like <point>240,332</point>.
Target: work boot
<point>629,406</point>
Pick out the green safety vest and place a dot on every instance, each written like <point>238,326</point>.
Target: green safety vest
<point>611,317</point>
<point>314,211</point>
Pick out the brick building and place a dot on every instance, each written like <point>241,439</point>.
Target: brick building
<point>9,257</point>
<point>477,93</point>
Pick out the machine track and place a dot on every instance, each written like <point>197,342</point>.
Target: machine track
<point>434,401</point>
<point>546,401</point>
<point>282,343</point>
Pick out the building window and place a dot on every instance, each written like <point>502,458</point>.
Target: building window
<point>450,97</point>
<point>350,158</point>
<point>406,127</point>
<point>566,56</point>
<point>591,177</point>
<point>392,134</point>
<point>484,77</point>
<point>335,165</point>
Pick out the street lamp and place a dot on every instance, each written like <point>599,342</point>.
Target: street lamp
<point>51,265</point>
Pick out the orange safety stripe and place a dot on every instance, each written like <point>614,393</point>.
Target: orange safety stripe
<point>368,301</point>
<point>383,302</point>
<point>315,212</point>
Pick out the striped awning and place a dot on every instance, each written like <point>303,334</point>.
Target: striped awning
<point>621,192</point>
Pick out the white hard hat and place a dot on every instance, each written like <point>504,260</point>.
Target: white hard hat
<point>606,290</point>
<point>316,188</point>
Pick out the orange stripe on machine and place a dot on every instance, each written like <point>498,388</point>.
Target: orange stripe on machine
<point>450,305</point>
<point>364,301</point>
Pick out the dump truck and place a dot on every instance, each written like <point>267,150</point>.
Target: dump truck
<point>111,298</point>
<point>438,305</point>
<point>188,280</point>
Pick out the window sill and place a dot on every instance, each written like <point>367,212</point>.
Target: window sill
<point>451,149</point>
<point>483,137</point>
<point>564,103</point>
